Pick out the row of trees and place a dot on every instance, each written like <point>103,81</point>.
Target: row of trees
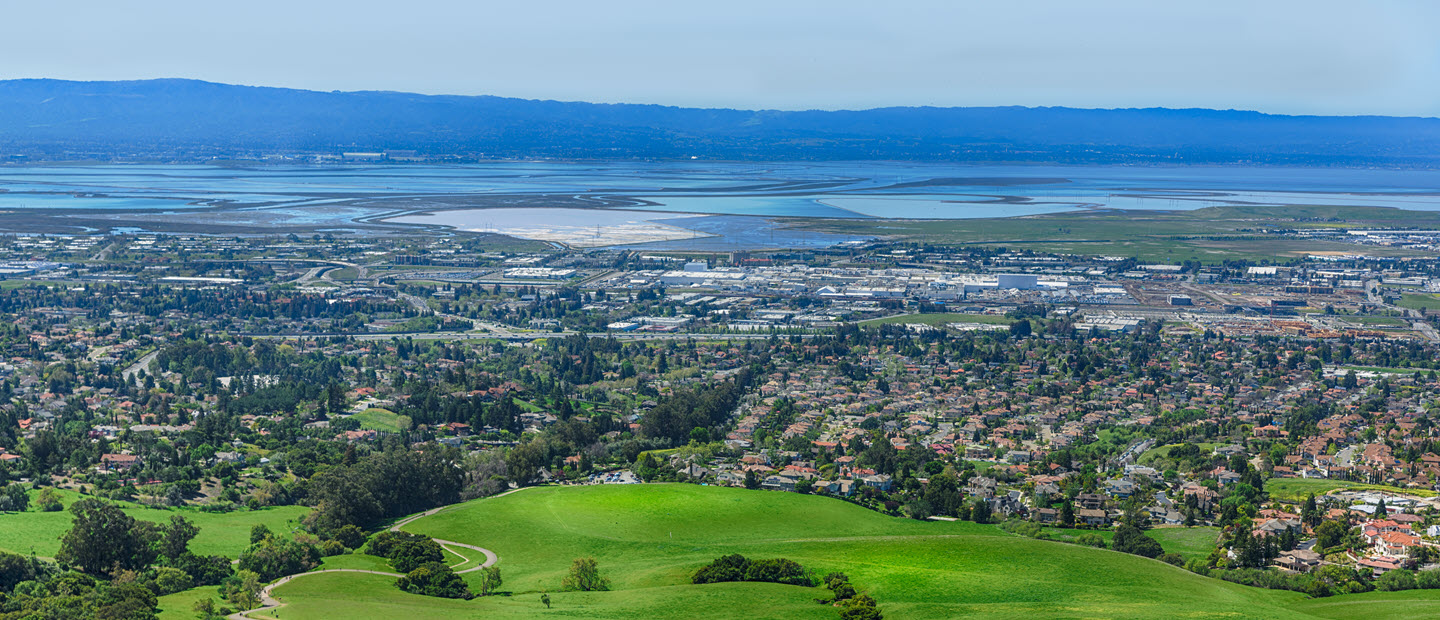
<point>736,567</point>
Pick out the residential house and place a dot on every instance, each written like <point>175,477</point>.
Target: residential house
<point>119,462</point>
<point>1092,517</point>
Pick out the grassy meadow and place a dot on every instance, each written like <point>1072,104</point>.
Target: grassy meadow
<point>180,605</point>
<point>1191,542</point>
<point>649,539</point>
<point>377,419</point>
<point>1161,454</point>
<point>1419,301</point>
<point>1407,605</point>
<point>225,534</point>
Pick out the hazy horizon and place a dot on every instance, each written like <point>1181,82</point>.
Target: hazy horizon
<point>444,94</point>
<point>1289,57</point>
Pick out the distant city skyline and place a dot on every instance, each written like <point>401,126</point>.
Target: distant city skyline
<point>1285,57</point>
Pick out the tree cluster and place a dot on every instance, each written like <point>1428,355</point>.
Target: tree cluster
<point>736,567</point>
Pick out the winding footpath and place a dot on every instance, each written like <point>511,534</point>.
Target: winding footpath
<point>269,603</point>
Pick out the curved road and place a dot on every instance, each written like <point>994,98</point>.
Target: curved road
<point>268,602</point>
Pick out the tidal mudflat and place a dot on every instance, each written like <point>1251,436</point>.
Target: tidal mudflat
<point>588,204</point>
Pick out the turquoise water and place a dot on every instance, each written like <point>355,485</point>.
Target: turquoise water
<point>65,201</point>
<point>790,189</point>
<point>772,206</point>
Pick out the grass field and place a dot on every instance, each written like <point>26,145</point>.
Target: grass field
<point>1163,452</point>
<point>1209,235</point>
<point>650,538</point>
<point>376,419</point>
<point>1190,542</point>
<point>1295,489</point>
<point>1409,605</point>
<point>373,596</point>
<point>360,561</point>
<point>982,467</point>
<point>179,606</point>
<point>941,318</point>
<point>355,596</point>
<point>225,534</point>
<point>1418,301</point>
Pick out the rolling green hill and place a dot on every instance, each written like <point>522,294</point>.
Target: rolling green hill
<point>649,539</point>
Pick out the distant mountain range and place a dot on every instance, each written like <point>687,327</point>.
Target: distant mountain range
<point>176,119</point>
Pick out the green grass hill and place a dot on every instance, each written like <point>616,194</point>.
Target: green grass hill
<point>649,539</point>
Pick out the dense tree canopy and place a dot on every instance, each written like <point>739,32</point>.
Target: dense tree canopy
<point>104,539</point>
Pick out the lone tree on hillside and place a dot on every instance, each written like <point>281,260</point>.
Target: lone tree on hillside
<point>862,607</point>
<point>489,580</point>
<point>175,540</point>
<point>585,576</point>
<point>434,579</point>
<point>259,533</point>
<point>244,590</point>
<point>1129,539</point>
<point>104,538</point>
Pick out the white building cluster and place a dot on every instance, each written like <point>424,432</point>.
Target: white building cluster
<point>849,283</point>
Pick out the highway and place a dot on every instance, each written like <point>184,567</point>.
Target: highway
<point>141,364</point>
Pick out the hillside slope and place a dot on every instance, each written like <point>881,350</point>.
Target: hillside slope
<point>189,118</point>
<point>649,539</point>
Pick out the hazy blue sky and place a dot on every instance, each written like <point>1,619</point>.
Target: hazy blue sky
<point>1302,56</point>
